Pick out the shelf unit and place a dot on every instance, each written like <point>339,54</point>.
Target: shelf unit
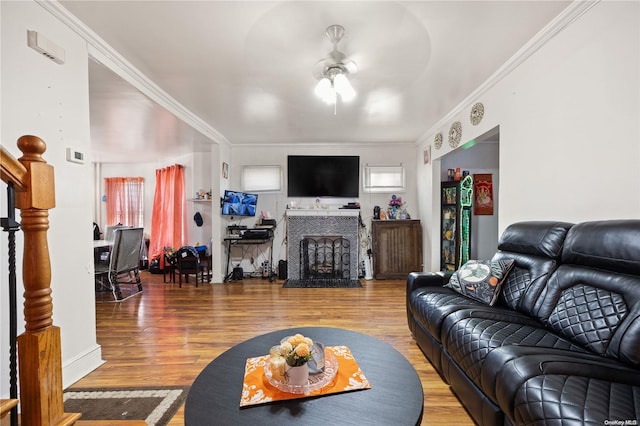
<point>455,223</point>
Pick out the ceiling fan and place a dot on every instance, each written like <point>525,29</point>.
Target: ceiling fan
<point>333,70</point>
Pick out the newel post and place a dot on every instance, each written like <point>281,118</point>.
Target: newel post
<point>39,347</point>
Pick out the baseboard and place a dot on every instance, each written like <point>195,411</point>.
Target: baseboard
<point>81,365</point>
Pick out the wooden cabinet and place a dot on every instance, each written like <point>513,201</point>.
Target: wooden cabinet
<point>397,248</point>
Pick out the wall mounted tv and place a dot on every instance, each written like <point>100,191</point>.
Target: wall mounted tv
<point>236,203</point>
<point>323,176</point>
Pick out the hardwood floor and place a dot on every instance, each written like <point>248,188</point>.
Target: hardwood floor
<point>167,335</point>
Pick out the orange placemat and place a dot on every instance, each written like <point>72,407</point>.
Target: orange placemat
<point>256,389</point>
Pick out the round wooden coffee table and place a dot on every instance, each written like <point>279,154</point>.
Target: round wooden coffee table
<point>395,396</point>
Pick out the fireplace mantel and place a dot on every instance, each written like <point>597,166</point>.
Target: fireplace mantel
<point>323,212</point>
<point>302,223</point>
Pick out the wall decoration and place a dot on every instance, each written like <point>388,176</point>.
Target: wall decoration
<point>225,170</point>
<point>455,134</point>
<point>437,141</point>
<point>427,155</point>
<point>477,112</point>
<point>482,194</point>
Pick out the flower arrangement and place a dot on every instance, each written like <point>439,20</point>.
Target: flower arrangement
<point>395,208</point>
<point>396,201</point>
<point>296,350</point>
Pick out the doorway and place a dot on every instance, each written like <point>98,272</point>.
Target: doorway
<point>480,156</point>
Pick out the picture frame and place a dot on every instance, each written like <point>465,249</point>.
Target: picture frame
<point>427,155</point>
<point>225,170</point>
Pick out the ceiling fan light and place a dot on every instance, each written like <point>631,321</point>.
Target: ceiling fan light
<point>330,99</point>
<point>343,87</point>
<point>323,88</point>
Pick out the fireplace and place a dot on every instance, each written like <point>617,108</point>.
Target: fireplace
<point>339,227</point>
<point>325,258</point>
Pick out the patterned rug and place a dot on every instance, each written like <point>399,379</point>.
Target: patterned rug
<point>155,405</point>
<point>322,283</point>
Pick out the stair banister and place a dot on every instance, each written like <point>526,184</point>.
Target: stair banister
<point>39,347</point>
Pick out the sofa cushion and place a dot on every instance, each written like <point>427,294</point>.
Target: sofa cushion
<point>525,281</point>
<point>468,337</point>
<point>612,245</point>
<point>561,400</point>
<point>597,309</point>
<point>431,305</point>
<point>537,238</point>
<point>481,279</point>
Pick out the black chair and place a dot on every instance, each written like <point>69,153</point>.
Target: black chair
<point>123,267</point>
<point>187,263</point>
<point>169,267</point>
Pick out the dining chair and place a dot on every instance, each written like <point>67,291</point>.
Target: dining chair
<point>123,267</point>
<point>109,233</point>
<point>169,268</point>
<point>187,263</point>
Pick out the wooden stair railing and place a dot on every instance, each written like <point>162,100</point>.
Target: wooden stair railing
<point>39,353</point>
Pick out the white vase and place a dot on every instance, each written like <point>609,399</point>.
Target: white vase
<point>298,376</point>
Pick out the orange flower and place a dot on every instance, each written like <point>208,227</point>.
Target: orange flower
<point>302,350</point>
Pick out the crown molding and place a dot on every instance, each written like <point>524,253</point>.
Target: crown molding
<point>569,15</point>
<point>101,51</point>
<point>312,144</point>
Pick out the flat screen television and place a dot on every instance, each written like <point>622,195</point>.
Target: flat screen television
<point>236,203</point>
<point>323,176</point>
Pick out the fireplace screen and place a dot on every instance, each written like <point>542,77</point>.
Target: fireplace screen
<point>324,257</point>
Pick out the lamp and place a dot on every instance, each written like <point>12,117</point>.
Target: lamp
<point>335,69</point>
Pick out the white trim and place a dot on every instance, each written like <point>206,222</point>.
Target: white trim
<point>81,365</point>
<point>102,52</point>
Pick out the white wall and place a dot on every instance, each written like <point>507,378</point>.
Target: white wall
<point>276,204</point>
<point>569,128</point>
<point>51,101</point>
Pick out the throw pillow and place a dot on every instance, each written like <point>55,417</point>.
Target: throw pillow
<point>481,279</point>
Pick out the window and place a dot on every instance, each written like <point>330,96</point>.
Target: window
<point>383,179</point>
<point>262,178</point>
<point>125,201</point>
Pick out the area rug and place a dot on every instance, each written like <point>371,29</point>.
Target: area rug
<point>322,283</point>
<point>155,405</point>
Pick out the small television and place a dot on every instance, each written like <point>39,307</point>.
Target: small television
<point>236,203</point>
<point>323,176</point>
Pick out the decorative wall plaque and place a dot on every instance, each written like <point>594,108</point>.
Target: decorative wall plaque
<point>437,141</point>
<point>477,112</point>
<point>455,134</point>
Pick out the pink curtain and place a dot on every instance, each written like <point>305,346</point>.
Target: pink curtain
<point>168,221</point>
<point>125,200</point>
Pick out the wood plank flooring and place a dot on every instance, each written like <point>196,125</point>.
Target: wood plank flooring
<point>167,335</point>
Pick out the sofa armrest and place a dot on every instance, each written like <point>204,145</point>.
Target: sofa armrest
<point>554,363</point>
<point>426,279</point>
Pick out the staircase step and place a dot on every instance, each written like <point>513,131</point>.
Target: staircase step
<point>111,422</point>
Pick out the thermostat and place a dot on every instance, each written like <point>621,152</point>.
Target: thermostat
<point>75,156</point>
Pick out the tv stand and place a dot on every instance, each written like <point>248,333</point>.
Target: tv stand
<point>257,239</point>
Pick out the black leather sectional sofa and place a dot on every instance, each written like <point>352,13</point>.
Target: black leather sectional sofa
<point>562,344</point>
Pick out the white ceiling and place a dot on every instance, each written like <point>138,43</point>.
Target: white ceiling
<point>245,68</point>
